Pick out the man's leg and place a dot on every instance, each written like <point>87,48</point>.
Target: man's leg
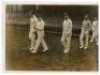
<point>86,40</point>
<point>32,38</point>
<point>63,41</point>
<point>81,40</point>
<point>38,41</point>
<point>67,44</point>
<point>96,38</point>
<point>44,45</point>
<point>93,36</point>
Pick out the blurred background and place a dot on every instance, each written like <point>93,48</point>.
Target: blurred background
<point>52,15</point>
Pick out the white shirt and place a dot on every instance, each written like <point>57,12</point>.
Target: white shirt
<point>67,26</point>
<point>40,25</point>
<point>95,25</point>
<point>33,23</point>
<point>86,25</point>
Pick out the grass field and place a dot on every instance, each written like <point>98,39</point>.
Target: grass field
<point>19,58</point>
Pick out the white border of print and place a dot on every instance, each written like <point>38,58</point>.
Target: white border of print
<point>2,35</point>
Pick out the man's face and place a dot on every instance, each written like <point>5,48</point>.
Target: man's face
<point>95,18</point>
<point>39,18</point>
<point>86,17</point>
<point>66,17</point>
<point>33,15</point>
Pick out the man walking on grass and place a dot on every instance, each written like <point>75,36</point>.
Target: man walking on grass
<point>86,26</point>
<point>40,36</point>
<point>66,33</point>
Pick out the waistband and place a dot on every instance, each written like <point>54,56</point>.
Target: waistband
<point>38,29</point>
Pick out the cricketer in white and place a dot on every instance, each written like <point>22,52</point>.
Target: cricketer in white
<point>66,33</point>
<point>40,36</point>
<point>32,36</point>
<point>86,27</point>
<point>95,31</point>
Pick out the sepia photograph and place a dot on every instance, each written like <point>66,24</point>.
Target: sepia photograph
<point>51,37</point>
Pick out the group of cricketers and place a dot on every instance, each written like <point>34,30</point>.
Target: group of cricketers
<point>36,33</point>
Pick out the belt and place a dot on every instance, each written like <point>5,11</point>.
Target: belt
<point>39,29</point>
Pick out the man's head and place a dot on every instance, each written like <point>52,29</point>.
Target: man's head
<point>66,16</point>
<point>86,17</point>
<point>31,13</point>
<point>39,17</point>
<point>95,18</point>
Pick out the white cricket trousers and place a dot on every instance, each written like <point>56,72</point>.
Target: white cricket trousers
<point>65,40</point>
<point>86,35</point>
<point>40,40</point>
<point>94,36</point>
<point>32,37</point>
